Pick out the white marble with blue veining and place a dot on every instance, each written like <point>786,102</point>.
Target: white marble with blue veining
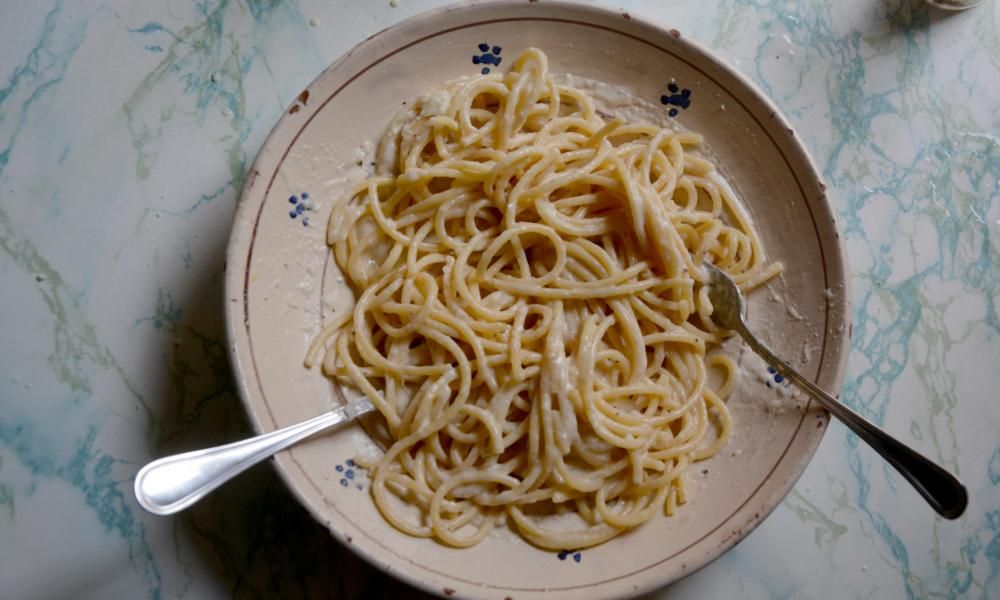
<point>126,129</point>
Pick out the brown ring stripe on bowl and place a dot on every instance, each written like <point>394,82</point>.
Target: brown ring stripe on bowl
<point>755,520</point>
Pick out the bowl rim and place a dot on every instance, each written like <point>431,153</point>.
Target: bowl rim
<point>236,319</point>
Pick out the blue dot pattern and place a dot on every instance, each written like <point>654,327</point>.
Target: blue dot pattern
<point>487,56</point>
<point>775,376</point>
<point>300,205</point>
<point>575,554</point>
<point>677,99</point>
<point>352,473</point>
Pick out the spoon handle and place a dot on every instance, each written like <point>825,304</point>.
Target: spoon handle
<point>173,483</point>
<point>941,489</point>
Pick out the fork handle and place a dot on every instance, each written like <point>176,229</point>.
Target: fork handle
<point>942,490</point>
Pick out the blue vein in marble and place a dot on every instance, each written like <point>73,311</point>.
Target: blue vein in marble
<point>6,494</point>
<point>211,64</point>
<point>827,530</point>
<point>74,339</point>
<point>43,68</point>
<point>76,349</point>
<point>198,369</point>
<point>167,311</point>
<point>927,186</point>
<point>90,471</point>
<point>194,56</point>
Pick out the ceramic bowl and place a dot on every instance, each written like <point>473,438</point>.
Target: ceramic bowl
<point>281,285</point>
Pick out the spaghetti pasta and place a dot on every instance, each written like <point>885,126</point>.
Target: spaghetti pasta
<point>530,317</point>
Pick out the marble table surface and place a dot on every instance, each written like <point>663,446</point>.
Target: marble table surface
<point>126,129</point>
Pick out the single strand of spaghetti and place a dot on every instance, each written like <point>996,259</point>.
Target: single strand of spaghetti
<point>380,493</point>
<point>728,368</point>
<point>615,278</point>
<point>321,340</point>
<point>725,426</point>
<point>516,231</point>
<point>500,403</point>
<point>561,540</point>
<point>569,226</point>
<point>451,210</point>
<point>598,261</point>
<point>552,95</point>
<point>633,196</point>
<point>514,286</point>
<point>696,165</point>
<point>646,158</point>
<point>606,130</point>
<point>642,419</point>
<point>445,530</point>
<point>444,131</point>
<point>472,135</point>
<point>610,426</point>
<point>579,99</point>
<point>516,494</point>
<point>669,246</point>
<point>463,451</point>
<point>525,91</point>
<point>738,213</point>
<point>592,481</point>
<point>583,450</point>
<point>520,314</point>
<point>473,210</point>
<point>425,208</point>
<point>511,201</point>
<point>361,382</point>
<point>627,323</point>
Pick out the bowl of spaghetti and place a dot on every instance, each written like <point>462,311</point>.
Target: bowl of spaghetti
<point>490,222</point>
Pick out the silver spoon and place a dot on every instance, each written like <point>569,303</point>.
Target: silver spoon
<point>941,489</point>
<point>173,483</point>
